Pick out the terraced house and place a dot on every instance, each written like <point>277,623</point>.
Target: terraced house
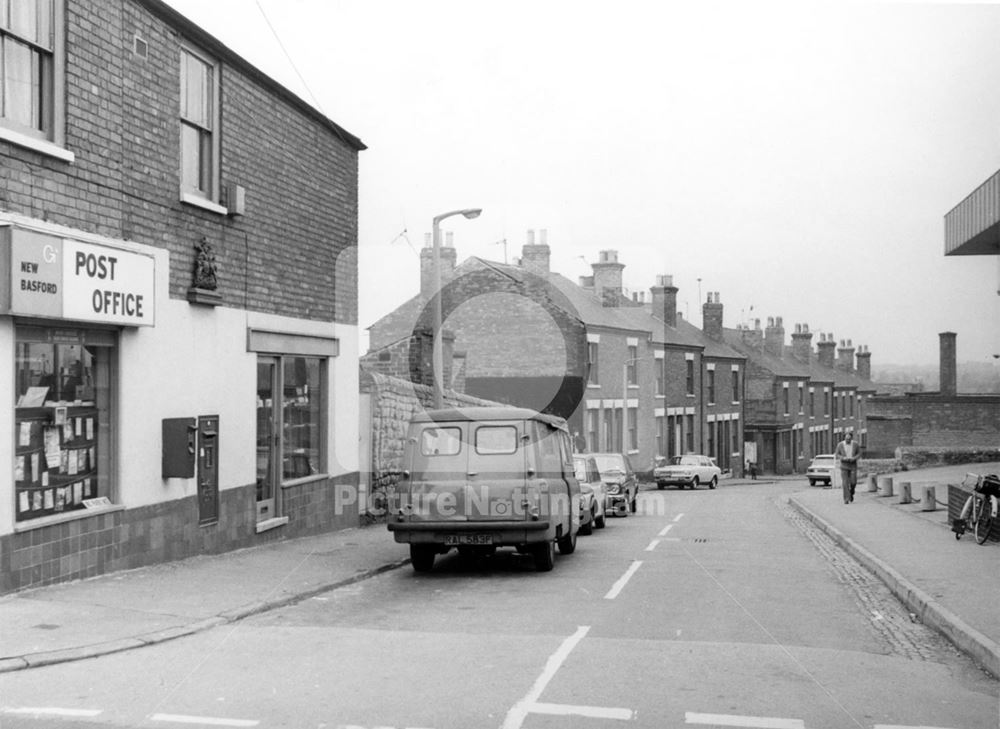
<point>178,296</point>
<point>626,371</point>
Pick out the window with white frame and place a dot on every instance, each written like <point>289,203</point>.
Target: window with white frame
<point>31,68</point>
<point>632,365</point>
<point>199,123</point>
<point>592,373</point>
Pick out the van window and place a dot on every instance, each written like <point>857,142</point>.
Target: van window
<point>549,456</point>
<point>440,441</point>
<point>496,440</point>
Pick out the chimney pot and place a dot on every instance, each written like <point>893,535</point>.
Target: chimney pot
<point>543,237</point>
<point>531,237</point>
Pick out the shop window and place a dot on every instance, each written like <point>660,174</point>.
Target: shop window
<point>290,397</point>
<point>62,390</point>
<point>31,69</point>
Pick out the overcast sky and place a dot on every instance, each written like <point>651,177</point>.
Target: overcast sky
<point>797,158</point>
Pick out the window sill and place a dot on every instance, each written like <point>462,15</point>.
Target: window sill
<point>592,386</point>
<point>37,145</point>
<point>74,515</point>
<point>199,202</point>
<point>269,524</point>
<point>304,480</point>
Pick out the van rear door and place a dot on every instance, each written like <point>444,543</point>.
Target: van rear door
<point>438,471</point>
<point>496,472</point>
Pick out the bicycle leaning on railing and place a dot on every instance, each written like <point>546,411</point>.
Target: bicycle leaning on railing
<point>980,509</point>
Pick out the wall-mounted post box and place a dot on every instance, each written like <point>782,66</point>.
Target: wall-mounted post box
<point>180,436</point>
<point>208,469</point>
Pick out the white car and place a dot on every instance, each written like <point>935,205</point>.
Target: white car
<point>690,471</point>
<point>595,498</point>
<point>821,470</point>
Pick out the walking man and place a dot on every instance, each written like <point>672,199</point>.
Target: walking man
<point>847,454</point>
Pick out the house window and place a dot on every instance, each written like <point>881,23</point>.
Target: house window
<point>199,121</point>
<point>632,366</point>
<point>736,386</point>
<point>802,398</point>
<point>711,387</point>
<point>592,375</point>
<point>661,376</point>
<point>63,381</point>
<point>711,439</point>
<point>31,67</point>
<point>633,429</point>
<point>852,405</point>
<point>609,430</point>
<point>690,377</point>
<point>785,399</point>
<point>812,404</point>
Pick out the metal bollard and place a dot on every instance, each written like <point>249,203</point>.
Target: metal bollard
<point>872,488</point>
<point>929,503</point>
<point>905,497</point>
<point>885,485</point>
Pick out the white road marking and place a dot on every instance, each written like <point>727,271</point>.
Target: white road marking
<point>618,586</point>
<point>652,545</point>
<point>592,712</point>
<point>905,726</point>
<point>50,711</point>
<point>678,518</point>
<point>211,721</point>
<point>756,722</point>
<point>519,711</point>
<point>664,530</point>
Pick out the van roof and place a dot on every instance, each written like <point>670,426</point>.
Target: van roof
<point>489,413</point>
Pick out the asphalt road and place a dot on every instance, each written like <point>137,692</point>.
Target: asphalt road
<point>707,608</point>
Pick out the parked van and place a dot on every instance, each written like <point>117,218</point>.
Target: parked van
<point>480,478</point>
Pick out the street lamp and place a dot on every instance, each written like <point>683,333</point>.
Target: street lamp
<point>437,353</point>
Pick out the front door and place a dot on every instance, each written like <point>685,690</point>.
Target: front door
<point>268,437</point>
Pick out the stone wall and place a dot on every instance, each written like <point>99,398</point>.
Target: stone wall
<point>914,457</point>
<point>394,402</point>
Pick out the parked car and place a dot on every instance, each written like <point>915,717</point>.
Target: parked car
<point>620,482</point>
<point>480,478</point>
<point>688,471</point>
<point>595,497</point>
<point>821,469</point>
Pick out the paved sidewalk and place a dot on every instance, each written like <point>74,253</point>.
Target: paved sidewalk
<point>131,609</point>
<point>951,585</point>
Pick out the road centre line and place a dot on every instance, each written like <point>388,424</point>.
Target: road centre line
<point>51,711</point>
<point>664,530</point>
<point>678,518</point>
<point>754,722</point>
<point>591,712</point>
<point>905,726</point>
<point>619,586</point>
<point>211,721</point>
<point>519,711</point>
<point>652,545</point>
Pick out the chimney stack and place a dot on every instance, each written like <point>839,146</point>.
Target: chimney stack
<point>949,366</point>
<point>535,257</point>
<point>664,297</point>
<point>608,277</point>
<point>753,338</point>
<point>864,362</point>
<point>802,344</point>
<point>711,317</point>
<point>825,349</point>
<point>774,337</point>
<point>845,356</point>
<point>448,258</point>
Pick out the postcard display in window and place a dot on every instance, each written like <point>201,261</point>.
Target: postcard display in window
<point>56,466</point>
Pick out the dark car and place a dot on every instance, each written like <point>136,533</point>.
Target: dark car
<point>620,482</point>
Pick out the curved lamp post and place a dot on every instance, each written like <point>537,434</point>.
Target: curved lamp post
<point>437,353</point>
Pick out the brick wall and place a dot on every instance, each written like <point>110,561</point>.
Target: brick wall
<point>293,252</point>
<point>935,420</point>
